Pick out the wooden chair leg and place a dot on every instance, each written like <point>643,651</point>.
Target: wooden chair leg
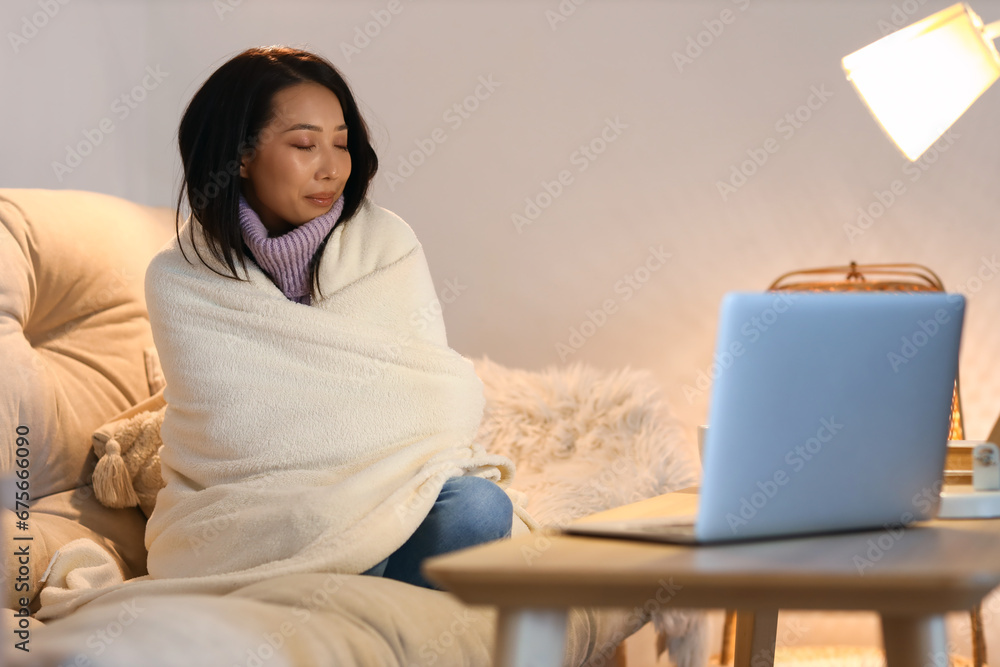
<point>978,641</point>
<point>726,653</point>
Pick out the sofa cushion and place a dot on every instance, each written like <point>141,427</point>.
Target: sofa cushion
<point>74,340</point>
<point>61,518</point>
<point>131,476</point>
<point>73,324</point>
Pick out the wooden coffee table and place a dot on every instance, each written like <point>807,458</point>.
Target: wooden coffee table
<point>911,577</point>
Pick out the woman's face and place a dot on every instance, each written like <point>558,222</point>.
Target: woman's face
<point>301,163</point>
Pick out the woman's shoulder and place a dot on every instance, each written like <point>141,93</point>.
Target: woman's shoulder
<point>371,239</point>
<point>381,221</point>
<point>186,254</point>
<point>165,257</point>
<point>375,227</point>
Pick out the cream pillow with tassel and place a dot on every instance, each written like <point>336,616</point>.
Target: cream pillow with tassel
<point>128,459</point>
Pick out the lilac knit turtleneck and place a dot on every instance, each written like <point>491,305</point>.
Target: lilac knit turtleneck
<point>286,258</point>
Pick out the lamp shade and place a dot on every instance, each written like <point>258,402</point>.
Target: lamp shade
<point>921,79</point>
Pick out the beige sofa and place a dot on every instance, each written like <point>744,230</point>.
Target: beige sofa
<point>76,351</point>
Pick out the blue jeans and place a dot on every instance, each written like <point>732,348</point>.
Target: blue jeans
<point>468,511</point>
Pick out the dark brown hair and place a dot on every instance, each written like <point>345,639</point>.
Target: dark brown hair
<point>223,124</point>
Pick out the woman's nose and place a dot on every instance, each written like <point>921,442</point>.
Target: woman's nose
<point>328,165</point>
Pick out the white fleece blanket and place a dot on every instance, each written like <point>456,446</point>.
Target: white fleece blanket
<point>302,438</point>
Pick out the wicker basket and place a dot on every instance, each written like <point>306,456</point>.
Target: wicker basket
<point>890,278</point>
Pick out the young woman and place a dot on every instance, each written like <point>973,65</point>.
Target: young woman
<point>309,425</point>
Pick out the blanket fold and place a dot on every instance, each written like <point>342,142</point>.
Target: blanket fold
<point>304,438</point>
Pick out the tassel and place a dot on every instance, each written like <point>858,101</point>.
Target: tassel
<point>112,481</point>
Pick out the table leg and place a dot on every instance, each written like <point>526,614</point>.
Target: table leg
<point>915,641</point>
<point>530,637</point>
<point>755,633</point>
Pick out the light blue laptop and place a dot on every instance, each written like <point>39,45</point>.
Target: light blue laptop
<point>829,412</point>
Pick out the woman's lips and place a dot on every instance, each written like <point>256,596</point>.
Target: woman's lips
<point>321,201</point>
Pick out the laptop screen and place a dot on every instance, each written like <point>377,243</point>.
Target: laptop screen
<point>829,411</point>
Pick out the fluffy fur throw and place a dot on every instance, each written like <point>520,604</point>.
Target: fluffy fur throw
<point>585,441</point>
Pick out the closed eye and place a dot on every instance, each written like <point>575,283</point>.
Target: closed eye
<point>305,148</point>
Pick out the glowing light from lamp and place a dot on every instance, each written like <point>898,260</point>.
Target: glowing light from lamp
<point>921,79</point>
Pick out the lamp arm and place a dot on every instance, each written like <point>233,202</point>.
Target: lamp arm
<point>992,30</point>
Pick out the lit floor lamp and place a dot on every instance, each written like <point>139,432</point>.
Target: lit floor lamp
<point>921,79</point>
<point>917,82</point>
